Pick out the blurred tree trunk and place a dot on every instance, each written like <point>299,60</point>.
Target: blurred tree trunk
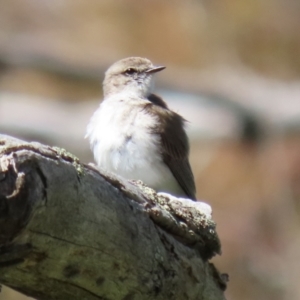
<point>69,232</point>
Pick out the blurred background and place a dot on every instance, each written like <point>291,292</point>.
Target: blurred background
<point>233,71</point>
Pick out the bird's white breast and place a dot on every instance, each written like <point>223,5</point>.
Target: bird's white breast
<point>122,142</point>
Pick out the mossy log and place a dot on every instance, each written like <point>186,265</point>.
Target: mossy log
<point>68,231</point>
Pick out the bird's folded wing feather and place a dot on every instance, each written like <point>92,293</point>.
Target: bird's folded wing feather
<point>175,145</point>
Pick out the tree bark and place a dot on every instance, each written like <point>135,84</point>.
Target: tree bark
<point>68,231</point>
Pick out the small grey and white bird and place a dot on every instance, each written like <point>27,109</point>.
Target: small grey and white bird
<point>135,135</point>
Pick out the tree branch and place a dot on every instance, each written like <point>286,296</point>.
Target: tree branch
<point>69,232</point>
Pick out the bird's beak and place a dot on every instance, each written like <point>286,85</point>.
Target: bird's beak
<point>155,69</point>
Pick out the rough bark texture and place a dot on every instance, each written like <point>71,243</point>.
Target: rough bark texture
<point>69,232</point>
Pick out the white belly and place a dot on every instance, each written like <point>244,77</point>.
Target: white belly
<point>122,143</point>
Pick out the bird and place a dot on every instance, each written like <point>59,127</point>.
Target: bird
<point>135,134</point>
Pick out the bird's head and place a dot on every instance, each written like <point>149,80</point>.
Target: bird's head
<point>132,75</point>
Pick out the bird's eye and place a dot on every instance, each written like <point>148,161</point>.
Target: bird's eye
<point>130,71</point>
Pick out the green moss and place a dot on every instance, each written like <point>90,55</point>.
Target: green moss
<point>66,155</point>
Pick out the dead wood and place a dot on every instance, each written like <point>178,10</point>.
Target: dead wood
<point>68,231</point>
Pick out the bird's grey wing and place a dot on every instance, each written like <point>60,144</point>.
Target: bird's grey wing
<point>175,145</point>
